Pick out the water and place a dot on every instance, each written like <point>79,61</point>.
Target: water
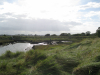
<point>18,47</point>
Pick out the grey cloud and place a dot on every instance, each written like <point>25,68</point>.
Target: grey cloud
<point>7,14</point>
<point>3,16</point>
<point>32,25</point>
<point>13,15</point>
<point>72,23</point>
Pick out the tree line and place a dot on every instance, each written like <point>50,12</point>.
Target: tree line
<point>88,33</point>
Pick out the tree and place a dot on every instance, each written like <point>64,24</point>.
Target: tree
<point>83,34</point>
<point>87,33</point>
<point>4,35</point>
<point>98,32</point>
<point>35,35</point>
<point>47,34</point>
<point>63,34</point>
<point>76,34</point>
<point>53,35</point>
<point>93,34</point>
<point>68,34</point>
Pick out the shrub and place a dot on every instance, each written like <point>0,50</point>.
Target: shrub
<point>8,54</point>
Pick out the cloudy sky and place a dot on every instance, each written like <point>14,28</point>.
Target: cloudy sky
<point>49,16</point>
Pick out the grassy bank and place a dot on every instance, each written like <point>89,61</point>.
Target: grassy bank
<point>81,58</point>
<point>55,38</point>
<point>5,39</point>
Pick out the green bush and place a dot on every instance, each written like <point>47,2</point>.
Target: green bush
<point>8,54</point>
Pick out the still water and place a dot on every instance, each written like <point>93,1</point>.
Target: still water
<point>18,47</point>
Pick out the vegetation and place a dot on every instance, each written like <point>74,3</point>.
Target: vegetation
<point>47,37</point>
<point>81,58</point>
<point>98,32</point>
<point>5,39</point>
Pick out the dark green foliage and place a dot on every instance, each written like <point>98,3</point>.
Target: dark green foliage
<point>53,35</point>
<point>8,54</point>
<point>65,34</point>
<point>87,33</point>
<point>3,65</point>
<point>97,58</point>
<point>76,34</point>
<point>83,34</point>
<point>98,32</point>
<point>47,34</point>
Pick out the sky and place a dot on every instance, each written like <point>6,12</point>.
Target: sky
<point>49,16</point>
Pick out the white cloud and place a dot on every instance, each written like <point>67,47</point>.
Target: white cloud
<point>92,13</point>
<point>90,5</point>
<point>87,26</point>
<point>28,16</point>
<point>63,10</point>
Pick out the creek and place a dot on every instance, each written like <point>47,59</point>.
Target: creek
<point>23,46</point>
<point>18,47</point>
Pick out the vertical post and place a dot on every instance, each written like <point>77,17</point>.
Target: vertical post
<point>50,42</point>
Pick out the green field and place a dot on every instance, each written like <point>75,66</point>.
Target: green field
<point>81,58</point>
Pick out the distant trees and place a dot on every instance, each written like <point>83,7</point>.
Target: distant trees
<point>98,32</point>
<point>53,35</point>
<point>47,34</point>
<point>87,33</point>
<point>76,34</point>
<point>4,35</point>
<point>83,34</point>
<point>65,34</point>
<point>35,35</point>
<point>79,34</point>
<point>93,34</point>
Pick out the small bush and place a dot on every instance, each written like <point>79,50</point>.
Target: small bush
<point>8,54</point>
<point>17,54</point>
<point>3,65</point>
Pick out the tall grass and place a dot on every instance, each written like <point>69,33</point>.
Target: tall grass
<point>81,58</point>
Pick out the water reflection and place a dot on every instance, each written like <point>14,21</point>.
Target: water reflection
<point>18,47</point>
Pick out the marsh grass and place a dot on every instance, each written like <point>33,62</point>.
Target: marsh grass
<point>81,58</point>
